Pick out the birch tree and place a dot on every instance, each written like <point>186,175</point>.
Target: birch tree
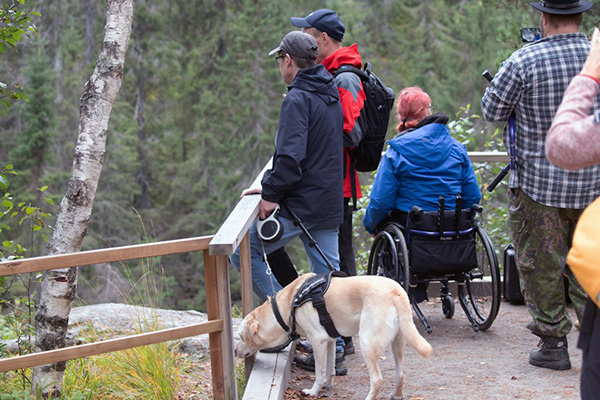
<point>59,286</point>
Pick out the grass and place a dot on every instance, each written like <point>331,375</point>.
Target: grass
<point>147,372</point>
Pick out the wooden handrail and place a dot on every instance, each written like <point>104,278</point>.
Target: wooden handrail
<point>231,233</point>
<point>488,156</point>
<point>45,263</point>
<point>107,346</point>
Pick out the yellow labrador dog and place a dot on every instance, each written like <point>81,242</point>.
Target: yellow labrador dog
<point>376,309</point>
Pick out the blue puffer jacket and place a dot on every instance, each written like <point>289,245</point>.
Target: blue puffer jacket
<point>308,165</point>
<point>418,167</point>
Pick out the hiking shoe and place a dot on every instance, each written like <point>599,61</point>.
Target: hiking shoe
<point>307,362</point>
<point>305,346</point>
<point>348,345</point>
<point>277,349</point>
<point>552,352</point>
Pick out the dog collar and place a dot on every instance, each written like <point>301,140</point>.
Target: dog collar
<point>293,335</point>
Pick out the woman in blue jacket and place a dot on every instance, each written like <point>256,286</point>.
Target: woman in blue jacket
<point>421,163</point>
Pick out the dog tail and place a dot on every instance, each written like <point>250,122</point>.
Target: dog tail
<point>409,330</point>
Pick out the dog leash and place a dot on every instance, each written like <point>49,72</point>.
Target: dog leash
<point>269,271</point>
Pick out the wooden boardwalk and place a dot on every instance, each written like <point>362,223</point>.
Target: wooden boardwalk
<point>490,365</point>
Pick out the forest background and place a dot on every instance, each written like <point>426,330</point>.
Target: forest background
<point>195,119</point>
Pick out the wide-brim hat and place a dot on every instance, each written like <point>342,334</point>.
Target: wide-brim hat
<point>563,7</point>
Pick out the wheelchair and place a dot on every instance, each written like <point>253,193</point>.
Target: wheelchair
<point>418,247</point>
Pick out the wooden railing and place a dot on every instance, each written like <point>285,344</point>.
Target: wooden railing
<point>232,234</point>
<point>218,301</point>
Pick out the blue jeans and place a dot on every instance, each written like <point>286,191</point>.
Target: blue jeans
<point>326,236</point>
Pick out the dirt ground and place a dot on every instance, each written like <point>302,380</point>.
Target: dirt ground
<point>466,365</point>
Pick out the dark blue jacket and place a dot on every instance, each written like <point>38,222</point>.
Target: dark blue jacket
<point>307,165</point>
<point>417,168</point>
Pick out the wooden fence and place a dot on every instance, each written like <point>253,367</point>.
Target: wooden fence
<point>232,234</point>
<point>218,326</point>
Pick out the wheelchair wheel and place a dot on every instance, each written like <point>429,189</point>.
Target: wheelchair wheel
<point>403,275</point>
<point>483,283</point>
<point>383,259</point>
<point>448,306</point>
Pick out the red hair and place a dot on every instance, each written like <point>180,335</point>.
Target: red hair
<point>413,106</point>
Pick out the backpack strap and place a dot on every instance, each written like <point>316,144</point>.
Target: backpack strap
<point>353,185</point>
<point>351,68</point>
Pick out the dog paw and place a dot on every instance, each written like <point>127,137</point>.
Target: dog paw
<point>309,392</point>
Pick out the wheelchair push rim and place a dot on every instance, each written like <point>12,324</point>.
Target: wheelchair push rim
<point>389,256</point>
<point>482,284</point>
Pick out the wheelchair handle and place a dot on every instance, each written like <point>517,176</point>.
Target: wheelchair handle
<point>486,74</point>
<point>416,211</point>
<point>476,208</point>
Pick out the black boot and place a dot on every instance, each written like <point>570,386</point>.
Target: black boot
<point>552,352</point>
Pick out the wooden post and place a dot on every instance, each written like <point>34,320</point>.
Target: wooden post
<point>246,275</point>
<point>218,306</point>
<point>247,293</point>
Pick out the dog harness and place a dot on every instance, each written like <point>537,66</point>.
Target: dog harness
<point>313,289</point>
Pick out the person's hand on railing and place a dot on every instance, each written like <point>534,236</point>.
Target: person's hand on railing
<point>266,207</point>
<point>250,191</point>
<point>592,64</point>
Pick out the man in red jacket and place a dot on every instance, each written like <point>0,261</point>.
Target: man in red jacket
<point>325,26</point>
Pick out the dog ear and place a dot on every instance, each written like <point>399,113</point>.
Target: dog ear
<point>254,328</point>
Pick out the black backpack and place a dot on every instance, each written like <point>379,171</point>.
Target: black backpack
<point>373,119</point>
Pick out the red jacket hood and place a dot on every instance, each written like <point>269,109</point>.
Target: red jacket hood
<point>344,56</point>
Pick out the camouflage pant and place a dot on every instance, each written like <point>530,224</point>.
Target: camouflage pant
<point>542,237</point>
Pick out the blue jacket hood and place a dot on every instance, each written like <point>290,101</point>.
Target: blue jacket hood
<point>427,145</point>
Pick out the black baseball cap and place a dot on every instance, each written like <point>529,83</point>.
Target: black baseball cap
<point>324,20</point>
<point>298,44</point>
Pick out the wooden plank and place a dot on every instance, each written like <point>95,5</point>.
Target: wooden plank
<point>212,313</point>
<point>223,290</point>
<point>488,156</point>
<point>36,264</point>
<point>230,235</point>
<point>92,349</point>
<point>247,293</point>
<point>270,375</point>
<point>246,276</point>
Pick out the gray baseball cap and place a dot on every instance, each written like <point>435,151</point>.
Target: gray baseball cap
<point>298,44</point>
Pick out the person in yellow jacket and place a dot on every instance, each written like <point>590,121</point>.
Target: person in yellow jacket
<point>584,261</point>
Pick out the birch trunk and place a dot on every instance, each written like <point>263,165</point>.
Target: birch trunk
<point>59,286</point>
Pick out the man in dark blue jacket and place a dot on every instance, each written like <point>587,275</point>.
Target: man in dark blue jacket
<point>307,165</point>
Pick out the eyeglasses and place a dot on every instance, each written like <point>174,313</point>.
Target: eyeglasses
<point>431,108</point>
<point>278,58</point>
